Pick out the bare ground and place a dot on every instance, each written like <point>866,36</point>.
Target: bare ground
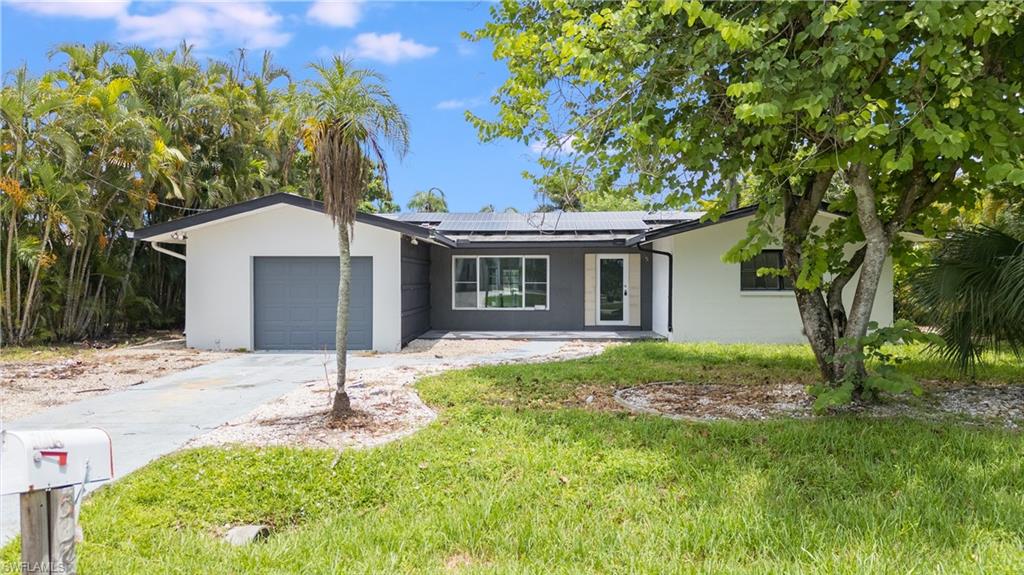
<point>386,405</point>
<point>1000,405</point>
<point>42,379</point>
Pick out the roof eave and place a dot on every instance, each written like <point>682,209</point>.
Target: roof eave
<point>281,198</point>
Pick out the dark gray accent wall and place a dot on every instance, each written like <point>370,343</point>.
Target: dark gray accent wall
<point>415,289</point>
<point>566,311</point>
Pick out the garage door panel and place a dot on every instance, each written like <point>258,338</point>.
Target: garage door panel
<point>304,293</point>
<point>295,303</point>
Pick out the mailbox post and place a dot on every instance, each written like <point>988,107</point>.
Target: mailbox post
<point>45,467</point>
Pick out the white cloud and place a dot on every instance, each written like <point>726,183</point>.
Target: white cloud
<point>335,13</point>
<point>456,104</point>
<point>564,146</point>
<point>251,25</point>
<point>93,9</point>
<point>389,48</point>
<point>247,24</point>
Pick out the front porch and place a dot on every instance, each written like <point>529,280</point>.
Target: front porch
<point>610,335</point>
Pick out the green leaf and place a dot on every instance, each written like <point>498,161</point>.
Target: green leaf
<point>735,35</point>
<point>743,89</point>
<point>998,172</point>
<point>827,396</point>
<point>693,11</point>
<point>670,7</point>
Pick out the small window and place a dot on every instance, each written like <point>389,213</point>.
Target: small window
<point>505,282</point>
<point>536,282</point>
<point>465,283</point>
<point>750,281</point>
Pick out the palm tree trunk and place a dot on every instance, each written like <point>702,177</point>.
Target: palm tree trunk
<point>27,321</point>
<point>341,406</point>
<point>8,289</point>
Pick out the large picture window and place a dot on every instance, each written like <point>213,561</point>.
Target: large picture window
<point>750,281</point>
<point>500,282</point>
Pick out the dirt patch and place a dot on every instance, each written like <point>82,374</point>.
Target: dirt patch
<point>705,402</point>
<point>31,385</point>
<point>462,561</point>
<point>595,397</point>
<point>458,347</point>
<point>718,401</point>
<point>386,406</point>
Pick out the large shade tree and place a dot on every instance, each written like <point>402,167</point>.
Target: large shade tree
<point>354,119</point>
<point>888,111</point>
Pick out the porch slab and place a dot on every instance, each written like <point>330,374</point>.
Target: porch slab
<point>623,335</point>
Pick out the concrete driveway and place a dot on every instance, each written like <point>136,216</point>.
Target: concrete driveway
<point>157,417</point>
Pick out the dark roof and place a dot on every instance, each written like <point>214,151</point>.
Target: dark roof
<point>596,229</point>
<point>282,198</point>
<point>682,227</point>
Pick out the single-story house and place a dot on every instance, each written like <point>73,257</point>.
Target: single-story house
<point>263,274</point>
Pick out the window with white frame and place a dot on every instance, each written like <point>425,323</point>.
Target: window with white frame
<point>500,282</point>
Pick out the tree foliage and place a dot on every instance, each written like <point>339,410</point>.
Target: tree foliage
<point>429,201</point>
<point>108,140</point>
<point>896,113</point>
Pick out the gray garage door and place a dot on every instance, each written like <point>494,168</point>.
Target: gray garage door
<point>295,303</point>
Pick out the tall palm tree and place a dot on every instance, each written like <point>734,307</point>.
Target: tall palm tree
<point>431,201</point>
<point>973,292</point>
<point>353,118</point>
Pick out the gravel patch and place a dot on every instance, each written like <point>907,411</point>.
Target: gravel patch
<point>30,386</point>
<point>386,405</point>
<point>1003,405</point>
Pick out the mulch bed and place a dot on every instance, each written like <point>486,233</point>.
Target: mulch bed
<point>680,400</point>
<point>1003,405</point>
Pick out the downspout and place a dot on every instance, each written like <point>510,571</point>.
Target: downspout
<point>669,256</point>
<point>156,246</point>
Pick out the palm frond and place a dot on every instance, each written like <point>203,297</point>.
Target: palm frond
<point>974,291</point>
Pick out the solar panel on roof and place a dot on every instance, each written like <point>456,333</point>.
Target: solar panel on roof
<point>561,222</point>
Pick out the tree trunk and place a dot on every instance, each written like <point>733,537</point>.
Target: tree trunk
<point>27,322</point>
<point>817,322</point>
<point>341,406</point>
<point>878,243</point>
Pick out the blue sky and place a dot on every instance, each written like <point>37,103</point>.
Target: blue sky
<point>434,74</point>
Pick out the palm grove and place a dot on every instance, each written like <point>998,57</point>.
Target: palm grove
<point>898,114</point>
<point>113,139</point>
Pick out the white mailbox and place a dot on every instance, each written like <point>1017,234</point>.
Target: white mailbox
<point>34,460</point>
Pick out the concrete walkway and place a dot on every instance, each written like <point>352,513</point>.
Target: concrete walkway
<point>155,418</point>
<point>588,335</point>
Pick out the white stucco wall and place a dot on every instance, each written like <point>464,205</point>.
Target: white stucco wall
<point>659,288</point>
<point>709,306</point>
<point>218,292</point>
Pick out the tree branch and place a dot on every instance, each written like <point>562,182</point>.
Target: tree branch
<point>835,291</point>
<point>867,209</point>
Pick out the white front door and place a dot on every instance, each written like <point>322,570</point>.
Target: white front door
<point>612,289</point>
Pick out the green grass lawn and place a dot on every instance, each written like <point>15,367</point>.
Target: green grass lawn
<point>516,477</point>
